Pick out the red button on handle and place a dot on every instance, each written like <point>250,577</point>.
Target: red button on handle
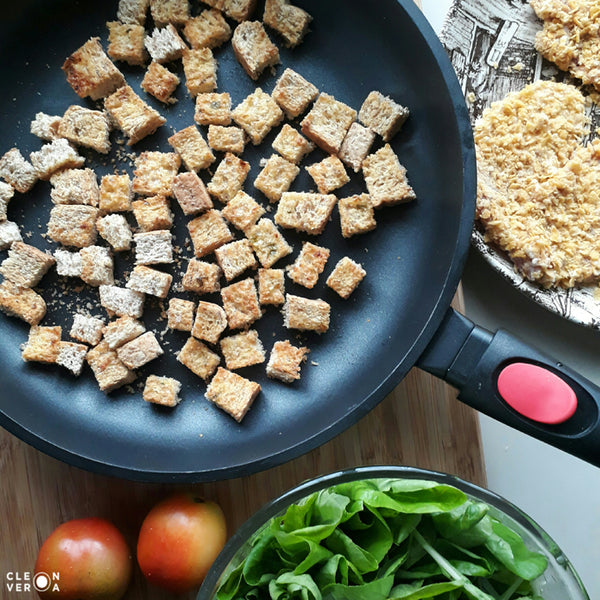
<point>537,393</point>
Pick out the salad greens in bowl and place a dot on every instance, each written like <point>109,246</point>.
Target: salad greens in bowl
<point>398,533</point>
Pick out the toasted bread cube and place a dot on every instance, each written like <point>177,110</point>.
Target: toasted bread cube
<point>201,277</point>
<point>6,193</point>
<point>21,302</point>
<point>180,314</point>
<point>140,351</point>
<point>239,10</point>
<point>191,193</point>
<point>309,265</point>
<point>91,73</point>
<point>386,178</point>
<point>345,277</point>
<point>153,213</point>
<point>87,329</point>
<point>116,231</point>
<point>242,211</point>
<point>155,172</point>
<point>73,225</point>
<point>268,244</point>
<point>209,231</point>
<point>271,286</point>
<point>240,302</point>
<point>150,281</point>
<point>234,258</point>
<point>133,11</point>
<point>293,93</point>
<point>162,390</point>
<point>126,42</point>
<point>198,358</point>
<point>109,371</point>
<point>304,211</point>
<point>257,114</point>
<point>253,48</point>
<point>132,115</point>
<point>229,178</point>
<point>213,109</point>
<point>25,265</point>
<point>75,186</point>
<point>9,233</point>
<point>52,157</point>
<point>192,148</point>
<point>381,114</point>
<point>226,139</point>
<point>276,177</point>
<point>116,193</point>
<point>305,314</point>
<point>200,68</point>
<point>208,30</point>
<point>285,360</point>
<point>169,11</point>
<point>232,393</point>
<point>42,344</point>
<point>121,331</point>
<point>17,171</point>
<point>153,247</point>
<point>97,266</point>
<point>210,322</point>
<point>45,126</point>
<point>356,215</point>
<point>291,144</point>
<point>290,21</point>
<point>121,302</point>
<point>160,83</point>
<point>329,174</point>
<point>356,145</point>
<point>164,44</point>
<point>242,350</point>
<point>68,264</point>
<point>71,356</point>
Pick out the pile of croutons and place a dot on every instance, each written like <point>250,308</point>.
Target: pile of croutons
<point>84,209</point>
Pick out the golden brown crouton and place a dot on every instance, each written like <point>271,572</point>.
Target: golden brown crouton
<point>73,225</point>
<point>85,127</point>
<point>155,172</point>
<point>17,171</point>
<point>304,211</point>
<point>345,277</point>
<point>213,109</point>
<point>87,329</point>
<point>116,231</point>
<point>140,351</point>
<point>42,344</point>
<point>210,322</point>
<point>133,11</point>
<point>356,215</point>
<point>257,114</point>
<point>271,286</point>
<point>290,21</point>
<point>309,265</point>
<point>180,314</point>
<point>200,68</point>
<point>240,302</point>
<point>169,11</point>
<point>285,360</point>
<point>234,258</point>
<point>153,247</point>
<point>381,114</point>
<point>201,277</point>
<point>208,232</point>
<point>25,265</point>
<point>293,93</point>
<point>21,302</point>
<point>192,148</point>
<point>150,281</point>
<point>191,193</point>
<point>253,48</point>
<point>164,44</point>
<point>356,146</point>
<point>121,331</point>
<point>242,350</point>
<point>121,302</point>
<point>208,30</point>
<point>153,213</point>
<point>53,157</point>
<point>329,174</point>
<point>239,10</point>
<point>291,144</point>
<point>229,178</point>
<point>232,393</point>
<point>160,83</point>
<point>242,211</point>
<point>116,193</point>
<point>109,371</point>
<point>97,266</point>
<point>126,42</point>
<point>198,358</point>
<point>305,314</point>
<point>75,186</point>
<point>71,356</point>
<point>162,390</point>
<point>226,139</point>
<point>268,244</point>
<point>276,177</point>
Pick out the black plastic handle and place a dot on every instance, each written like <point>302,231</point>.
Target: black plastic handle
<point>470,358</point>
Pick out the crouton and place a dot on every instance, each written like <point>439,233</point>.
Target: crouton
<point>6,194</point>
<point>153,213</point>
<point>132,115</point>
<point>291,144</point>
<point>52,157</point>
<point>345,277</point>
<point>162,390</point>
<point>309,265</point>
<point>356,215</point>
<point>71,356</point>
<point>123,330</point>
<point>240,302</point>
<point>126,42</point>
<point>304,211</point>
<point>25,265</point>
<point>121,302</point>
<point>213,109</point>
<point>293,93</point>
<point>116,193</point>
<point>271,286</point>
<point>21,302</point>
<point>228,178</point>
<point>232,393</point>
<point>208,30</point>
<point>242,211</point>
<point>116,231</point>
<point>268,244</point>
<point>180,314</point>
<point>208,232</point>
<point>97,266</point>
<point>285,360</point>
<point>87,329</point>
<point>68,264</point>
<point>386,178</point>
<point>198,358</point>
<point>201,277</point>
<point>45,126</point>
<point>226,139</point>
<point>9,233</point>
<point>17,171</point>
<point>234,258</point>
<point>160,83</point>
<point>192,148</point>
<point>329,174</point>
<point>75,186</point>
<point>242,350</point>
<point>257,114</point>
<point>356,145</point>
<point>169,11</point>
<point>153,247</point>
<point>73,225</point>
<point>133,11</point>
<point>200,68</point>
<point>191,193</point>
<point>253,48</point>
<point>210,322</point>
<point>239,10</point>
<point>42,344</point>
<point>140,351</point>
<point>305,314</point>
<point>276,177</point>
<point>290,21</point>
<point>150,281</point>
<point>381,114</point>
<point>164,44</point>
<point>109,371</point>
<point>91,73</point>
<point>154,173</point>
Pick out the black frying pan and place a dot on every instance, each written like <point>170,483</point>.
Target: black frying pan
<point>399,315</point>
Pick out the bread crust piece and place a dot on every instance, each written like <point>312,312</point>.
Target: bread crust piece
<point>162,390</point>
<point>153,213</point>
<point>126,42</point>
<point>285,360</point>
<point>356,146</point>
<point>75,186</point>
<point>21,302</point>
<point>267,242</point>
<point>193,149</point>
<point>87,329</point>
<point>240,302</point>
<point>228,178</point>
<point>160,83</point>
<point>242,350</point>
<point>242,211</point>
<point>235,258</point>
<point>42,344</point>
<point>202,277</point>
<point>305,314</point>
<point>191,193</point>
<point>208,30</point>
<point>305,211</point>
<point>109,371</point>
<point>356,215</point>
<point>329,174</point>
<point>257,114</point>
<point>140,351</point>
<point>198,358</point>
<point>200,68</point>
<point>210,322</point>
<point>276,177</point>
<point>180,314</point>
<point>208,232</point>
<point>153,247</point>
<point>85,127</point>
<point>73,225</point>
<point>271,286</point>
<point>17,171</point>
<point>345,277</point>
<point>116,193</point>
<point>291,144</point>
<point>155,173</point>
<point>213,108</point>
<point>290,21</point>
<point>293,93</point>
<point>309,264</point>
<point>122,330</point>
<point>150,281</point>
<point>232,393</point>
<point>25,264</point>
<point>253,48</point>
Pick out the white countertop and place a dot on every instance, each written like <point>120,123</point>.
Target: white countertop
<point>560,492</point>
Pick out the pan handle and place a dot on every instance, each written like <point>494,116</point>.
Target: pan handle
<point>514,383</point>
